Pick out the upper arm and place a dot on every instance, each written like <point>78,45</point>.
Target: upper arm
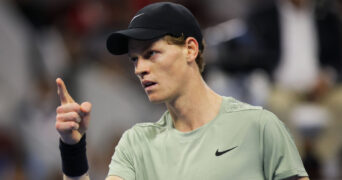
<point>114,178</point>
<point>122,163</point>
<point>281,157</point>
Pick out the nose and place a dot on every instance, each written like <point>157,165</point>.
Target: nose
<point>141,67</point>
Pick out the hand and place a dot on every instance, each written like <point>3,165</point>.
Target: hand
<point>72,119</point>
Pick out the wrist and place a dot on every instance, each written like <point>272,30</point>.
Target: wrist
<point>71,139</point>
<point>74,158</point>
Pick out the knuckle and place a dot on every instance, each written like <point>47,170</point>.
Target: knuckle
<point>58,117</point>
<point>58,125</point>
<point>73,107</point>
<point>77,107</point>
<point>59,109</point>
<point>72,123</point>
<point>74,115</point>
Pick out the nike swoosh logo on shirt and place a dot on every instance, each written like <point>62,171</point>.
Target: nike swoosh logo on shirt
<point>219,153</point>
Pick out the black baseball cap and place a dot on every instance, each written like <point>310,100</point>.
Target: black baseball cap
<point>155,21</point>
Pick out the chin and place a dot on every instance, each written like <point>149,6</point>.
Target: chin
<point>156,99</point>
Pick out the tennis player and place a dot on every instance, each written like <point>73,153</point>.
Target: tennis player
<point>201,136</point>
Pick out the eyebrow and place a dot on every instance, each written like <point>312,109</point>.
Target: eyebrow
<point>143,53</point>
<point>142,48</point>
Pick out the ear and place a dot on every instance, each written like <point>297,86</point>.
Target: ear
<point>192,49</point>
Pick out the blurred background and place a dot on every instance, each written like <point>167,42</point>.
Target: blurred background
<point>284,55</point>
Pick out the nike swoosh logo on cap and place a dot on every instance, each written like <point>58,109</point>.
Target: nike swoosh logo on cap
<point>219,153</point>
<point>136,17</point>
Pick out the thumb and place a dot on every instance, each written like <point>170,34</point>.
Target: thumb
<point>86,107</point>
<point>85,115</point>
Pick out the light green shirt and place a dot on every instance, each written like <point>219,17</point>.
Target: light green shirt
<point>242,142</point>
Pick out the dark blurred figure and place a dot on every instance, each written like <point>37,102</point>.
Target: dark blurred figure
<point>298,44</point>
<point>10,157</point>
<point>277,33</point>
<point>310,161</point>
<point>275,29</point>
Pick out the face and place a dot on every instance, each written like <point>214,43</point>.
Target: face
<point>161,68</point>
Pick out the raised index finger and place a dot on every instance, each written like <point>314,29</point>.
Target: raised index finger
<point>63,94</point>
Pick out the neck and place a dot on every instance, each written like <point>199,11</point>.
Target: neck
<point>197,106</point>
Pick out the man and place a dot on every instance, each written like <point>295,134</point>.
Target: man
<point>201,136</point>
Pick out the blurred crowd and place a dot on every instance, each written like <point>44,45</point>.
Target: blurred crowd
<point>284,55</point>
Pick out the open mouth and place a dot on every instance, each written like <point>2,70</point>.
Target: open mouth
<point>147,84</point>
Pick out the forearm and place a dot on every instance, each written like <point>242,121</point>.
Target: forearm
<point>83,177</point>
<point>297,178</point>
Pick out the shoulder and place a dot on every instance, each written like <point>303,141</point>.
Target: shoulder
<point>231,105</point>
<point>147,130</point>
<point>245,111</point>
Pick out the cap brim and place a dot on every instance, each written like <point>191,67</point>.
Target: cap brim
<point>117,42</point>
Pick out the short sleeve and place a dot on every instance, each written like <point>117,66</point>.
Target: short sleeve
<point>281,157</point>
<point>122,162</point>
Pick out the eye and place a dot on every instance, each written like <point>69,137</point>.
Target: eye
<point>134,59</point>
<point>149,54</point>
